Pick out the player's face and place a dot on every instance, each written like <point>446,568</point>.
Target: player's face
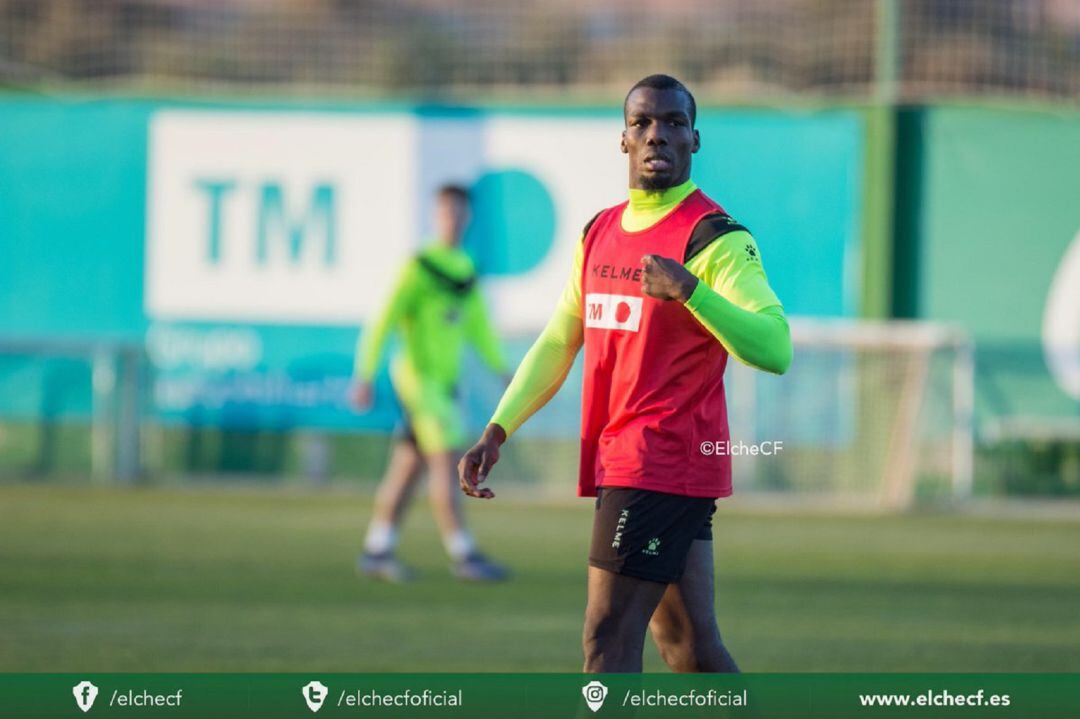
<point>451,216</point>
<point>658,138</point>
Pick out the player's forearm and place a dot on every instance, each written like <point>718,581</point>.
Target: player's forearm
<point>541,373</point>
<point>371,346</point>
<point>760,339</point>
<point>486,342</point>
<point>481,333</point>
<point>375,336</point>
<point>493,358</point>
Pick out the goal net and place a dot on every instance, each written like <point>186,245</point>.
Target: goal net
<point>726,49</point>
<point>870,415</point>
<point>876,414</point>
<point>71,408</point>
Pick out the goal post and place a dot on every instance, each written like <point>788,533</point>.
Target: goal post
<point>73,402</point>
<point>876,414</point>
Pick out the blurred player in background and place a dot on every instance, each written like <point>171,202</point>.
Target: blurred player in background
<point>438,308</point>
<point>663,288</point>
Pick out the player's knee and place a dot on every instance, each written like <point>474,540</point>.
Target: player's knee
<point>680,656</point>
<point>676,646</point>
<point>604,633</point>
<point>599,627</point>
<point>439,487</point>
<point>666,635</point>
<point>683,648</point>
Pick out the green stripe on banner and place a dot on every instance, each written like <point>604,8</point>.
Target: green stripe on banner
<point>877,240</point>
<point>524,696</point>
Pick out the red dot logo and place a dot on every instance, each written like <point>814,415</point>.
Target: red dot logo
<point>622,312</point>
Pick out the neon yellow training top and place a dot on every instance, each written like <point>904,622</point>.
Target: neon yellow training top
<point>732,300</point>
<point>438,307</point>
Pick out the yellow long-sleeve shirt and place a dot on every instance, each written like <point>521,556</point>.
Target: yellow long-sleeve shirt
<point>732,300</point>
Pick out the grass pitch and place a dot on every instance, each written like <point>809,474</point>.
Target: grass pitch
<point>262,580</point>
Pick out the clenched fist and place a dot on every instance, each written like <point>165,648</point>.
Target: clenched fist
<point>666,279</point>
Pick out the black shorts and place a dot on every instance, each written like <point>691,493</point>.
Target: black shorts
<point>646,534</point>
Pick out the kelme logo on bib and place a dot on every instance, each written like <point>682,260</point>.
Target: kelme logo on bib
<point>612,312</point>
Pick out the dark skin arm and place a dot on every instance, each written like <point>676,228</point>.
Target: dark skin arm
<point>476,464</point>
<point>664,279</point>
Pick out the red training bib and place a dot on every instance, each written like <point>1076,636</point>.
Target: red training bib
<point>654,377</point>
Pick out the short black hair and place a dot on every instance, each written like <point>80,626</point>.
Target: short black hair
<point>664,82</point>
<point>454,191</point>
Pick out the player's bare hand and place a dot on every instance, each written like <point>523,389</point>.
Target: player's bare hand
<point>476,464</point>
<point>360,396</point>
<point>666,279</point>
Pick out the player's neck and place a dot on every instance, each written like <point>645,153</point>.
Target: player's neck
<point>446,244</point>
<point>647,207</point>
<point>648,200</point>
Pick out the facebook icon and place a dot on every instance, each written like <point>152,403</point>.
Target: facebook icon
<point>85,694</point>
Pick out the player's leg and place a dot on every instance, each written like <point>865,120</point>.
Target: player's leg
<point>391,500</point>
<point>393,494</point>
<point>684,624</point>
<point>397,485</point>
<point>440,431</point>
<point>616,617</point>
<point>641,542</point>
<point>469,563</point>
<point>445,504</point>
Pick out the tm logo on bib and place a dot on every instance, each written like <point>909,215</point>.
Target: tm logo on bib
<point>612,312</point>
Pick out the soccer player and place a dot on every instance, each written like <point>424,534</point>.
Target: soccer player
<point>664,288</point>
<point>438,308</point>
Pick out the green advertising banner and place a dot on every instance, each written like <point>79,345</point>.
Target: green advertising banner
<point>988,237</point>
<point>540,696</point>
<point>113,212</point>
